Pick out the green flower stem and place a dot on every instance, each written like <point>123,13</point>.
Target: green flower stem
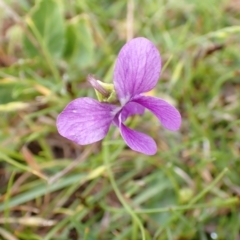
<point>228,202</point>
<point>118,193</point>
<point>7,198</point>
<point>176,214</point>
<point>134,230</point>
<point>209,187</point>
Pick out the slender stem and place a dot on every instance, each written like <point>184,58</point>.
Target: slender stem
<point>134,230</point>
<point>195,199</point>
<point>197,206</point>
<point>209,187</point>
<point>231,201</point>
<point>8,194</point>
<point>167,63</point>
<point>169,234</point>
<point>118,193</point>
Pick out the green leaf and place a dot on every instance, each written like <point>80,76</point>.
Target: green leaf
<point>41,190</point>
<point>46,22</point>
<point>5,93</point>
<point>79,48</point>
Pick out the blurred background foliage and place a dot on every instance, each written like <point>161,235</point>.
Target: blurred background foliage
<point>51,188</point>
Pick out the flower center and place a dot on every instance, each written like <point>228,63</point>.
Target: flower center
<point>105,91</point>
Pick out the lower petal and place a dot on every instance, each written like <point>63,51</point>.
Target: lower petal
<point>138,141</point>
<point>167,114</point>
<point>85,120</point>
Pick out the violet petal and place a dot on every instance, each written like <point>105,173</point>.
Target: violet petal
<point>138,141</point>
<point>137,69</point>
<point>167,114</point>
<point>131,108</point>
<point>85,120</point>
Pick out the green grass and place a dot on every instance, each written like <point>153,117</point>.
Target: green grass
<point>188,191</point>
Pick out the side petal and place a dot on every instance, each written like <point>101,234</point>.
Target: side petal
<point>85,120</point>
<point>137,69</point>
<point>168,115</point>
<point>138,141</point>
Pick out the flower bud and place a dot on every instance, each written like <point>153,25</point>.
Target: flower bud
<point>105,91</point>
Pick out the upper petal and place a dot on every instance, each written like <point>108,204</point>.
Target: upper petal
<point>168,115</point>
<point>137,69</point>
<point>138,141</point>
<point>85,120</point>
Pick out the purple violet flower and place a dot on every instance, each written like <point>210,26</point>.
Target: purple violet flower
<point>137,70</point>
